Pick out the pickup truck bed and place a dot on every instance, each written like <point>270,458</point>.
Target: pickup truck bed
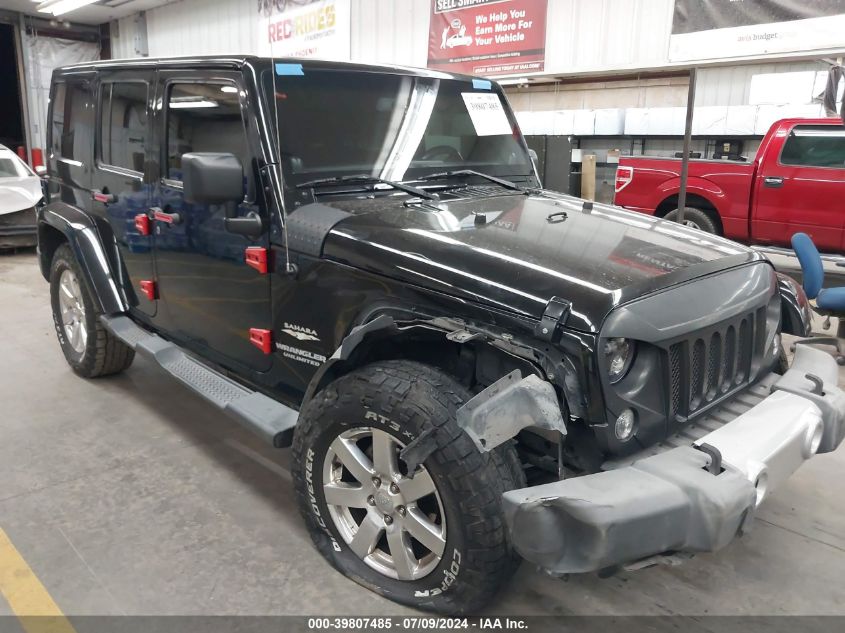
<point>796,182</point>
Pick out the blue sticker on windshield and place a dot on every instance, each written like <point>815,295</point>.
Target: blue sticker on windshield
<point>289,69</point>
<point>482,84</point>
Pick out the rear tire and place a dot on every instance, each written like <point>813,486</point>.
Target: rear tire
<point>89,348</point>
<point>395,402</point>
<point>696,219</point>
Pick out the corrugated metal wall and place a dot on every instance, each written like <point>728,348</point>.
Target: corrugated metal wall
<point>202,27</point>
<point>390,31</point>
<point>731,85</point>
<point>382,31</point>
<point>607,35</point>
<point>582,36</point>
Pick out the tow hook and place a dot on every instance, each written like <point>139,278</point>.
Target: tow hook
<point>715,465</point>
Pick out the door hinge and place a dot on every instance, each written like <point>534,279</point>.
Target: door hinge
<point>555,314</point>
<point>142,224</point>
<point>150,289</point>
<point>257,257</point>
<point>262,339</point>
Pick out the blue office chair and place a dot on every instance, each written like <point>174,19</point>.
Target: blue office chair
<point>829,301</point>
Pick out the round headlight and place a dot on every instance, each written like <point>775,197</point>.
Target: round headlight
<point>624,427</point>
<point>619,352</point>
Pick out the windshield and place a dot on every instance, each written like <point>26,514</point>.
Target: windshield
<point>392,126</point>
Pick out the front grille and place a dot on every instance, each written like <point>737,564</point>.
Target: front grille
<point>705,366</point>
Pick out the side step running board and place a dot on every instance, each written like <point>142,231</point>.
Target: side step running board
<point>257,412</point>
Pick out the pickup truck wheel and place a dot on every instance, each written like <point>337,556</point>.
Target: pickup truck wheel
<point>434,538</point>
<point>695,219</point>
<point>89,348</point>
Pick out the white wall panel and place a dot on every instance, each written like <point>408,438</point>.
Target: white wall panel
<point>382,31</point>
<point>123,33</point>
<point>203,27</point>
<point>607,35</point>
<point>731,85</point>
<point>390,31</point>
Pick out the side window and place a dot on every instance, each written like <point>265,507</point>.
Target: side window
<point>123,124</point>
<point>815,146</point>
<point>71,133</point>
<point>204,118</point>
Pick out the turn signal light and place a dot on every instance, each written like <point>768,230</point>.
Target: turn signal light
<point>142,223</point>
<point>150,289</point>
<point>256,257</point>
<point>262,339</point>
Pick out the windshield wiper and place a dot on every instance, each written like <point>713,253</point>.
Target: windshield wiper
<point>507,184</point>
<point>365,179</point>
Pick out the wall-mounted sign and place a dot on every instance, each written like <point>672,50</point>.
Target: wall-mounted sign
<point>304,28</point>
<point>715,29</point>
<point>487,37</point>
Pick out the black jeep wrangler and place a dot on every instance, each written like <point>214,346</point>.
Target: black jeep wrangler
<point>359,262</point>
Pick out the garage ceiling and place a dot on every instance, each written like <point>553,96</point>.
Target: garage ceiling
<point>99,13</point>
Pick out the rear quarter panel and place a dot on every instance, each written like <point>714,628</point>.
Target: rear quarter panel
<point>726,185</point>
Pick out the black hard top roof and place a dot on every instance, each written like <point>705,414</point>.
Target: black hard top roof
<point>238,61</point>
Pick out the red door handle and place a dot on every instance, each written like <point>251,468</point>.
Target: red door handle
<point>167,218</point>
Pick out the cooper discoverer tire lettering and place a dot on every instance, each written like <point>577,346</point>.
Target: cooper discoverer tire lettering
<point>433,539</point>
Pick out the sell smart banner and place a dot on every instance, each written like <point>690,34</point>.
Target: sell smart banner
<point>304,28</point>
<point>487,37</point>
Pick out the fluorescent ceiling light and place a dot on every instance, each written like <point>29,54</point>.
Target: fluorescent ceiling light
<point>228,89</point>
<point>191,102</point>
<point>60,7</point>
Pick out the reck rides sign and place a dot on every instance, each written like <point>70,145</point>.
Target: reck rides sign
<point>487,37</point>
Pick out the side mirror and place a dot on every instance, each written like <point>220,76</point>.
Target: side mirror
<point>213,178</point>
<point>41,170</point>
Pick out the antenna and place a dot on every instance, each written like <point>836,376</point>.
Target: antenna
<point>280,193</point>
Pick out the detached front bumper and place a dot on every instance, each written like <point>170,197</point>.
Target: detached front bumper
<point>669,502</point>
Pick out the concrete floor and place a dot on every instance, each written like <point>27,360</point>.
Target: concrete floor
<point>130,495</point>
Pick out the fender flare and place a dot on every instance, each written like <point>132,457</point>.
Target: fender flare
<point>383,324</point>
<point>81,234</point>
<point>533,397</point>
<point>796,317</point>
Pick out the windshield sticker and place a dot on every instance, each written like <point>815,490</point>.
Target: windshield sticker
<point>289,69</point>
<point>487,114</point>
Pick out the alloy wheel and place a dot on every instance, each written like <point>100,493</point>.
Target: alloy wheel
<point>391,519</point>
<point>72,311</point>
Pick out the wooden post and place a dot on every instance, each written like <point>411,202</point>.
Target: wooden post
<point>588,176</point>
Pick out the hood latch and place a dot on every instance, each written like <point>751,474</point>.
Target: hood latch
<point>555,314</point>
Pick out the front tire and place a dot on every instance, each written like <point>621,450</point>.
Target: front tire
<point>434,541</point>
<point>89,348</point>
<point>695,219</point>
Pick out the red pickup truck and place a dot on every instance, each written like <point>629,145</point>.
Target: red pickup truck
<point>796,182</point>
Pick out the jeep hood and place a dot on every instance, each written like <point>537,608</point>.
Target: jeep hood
<point>523,250</point>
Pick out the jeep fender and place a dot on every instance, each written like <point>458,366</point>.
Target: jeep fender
<point>81,234</point>
<point>795,308</point>
<point>492,417</point>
